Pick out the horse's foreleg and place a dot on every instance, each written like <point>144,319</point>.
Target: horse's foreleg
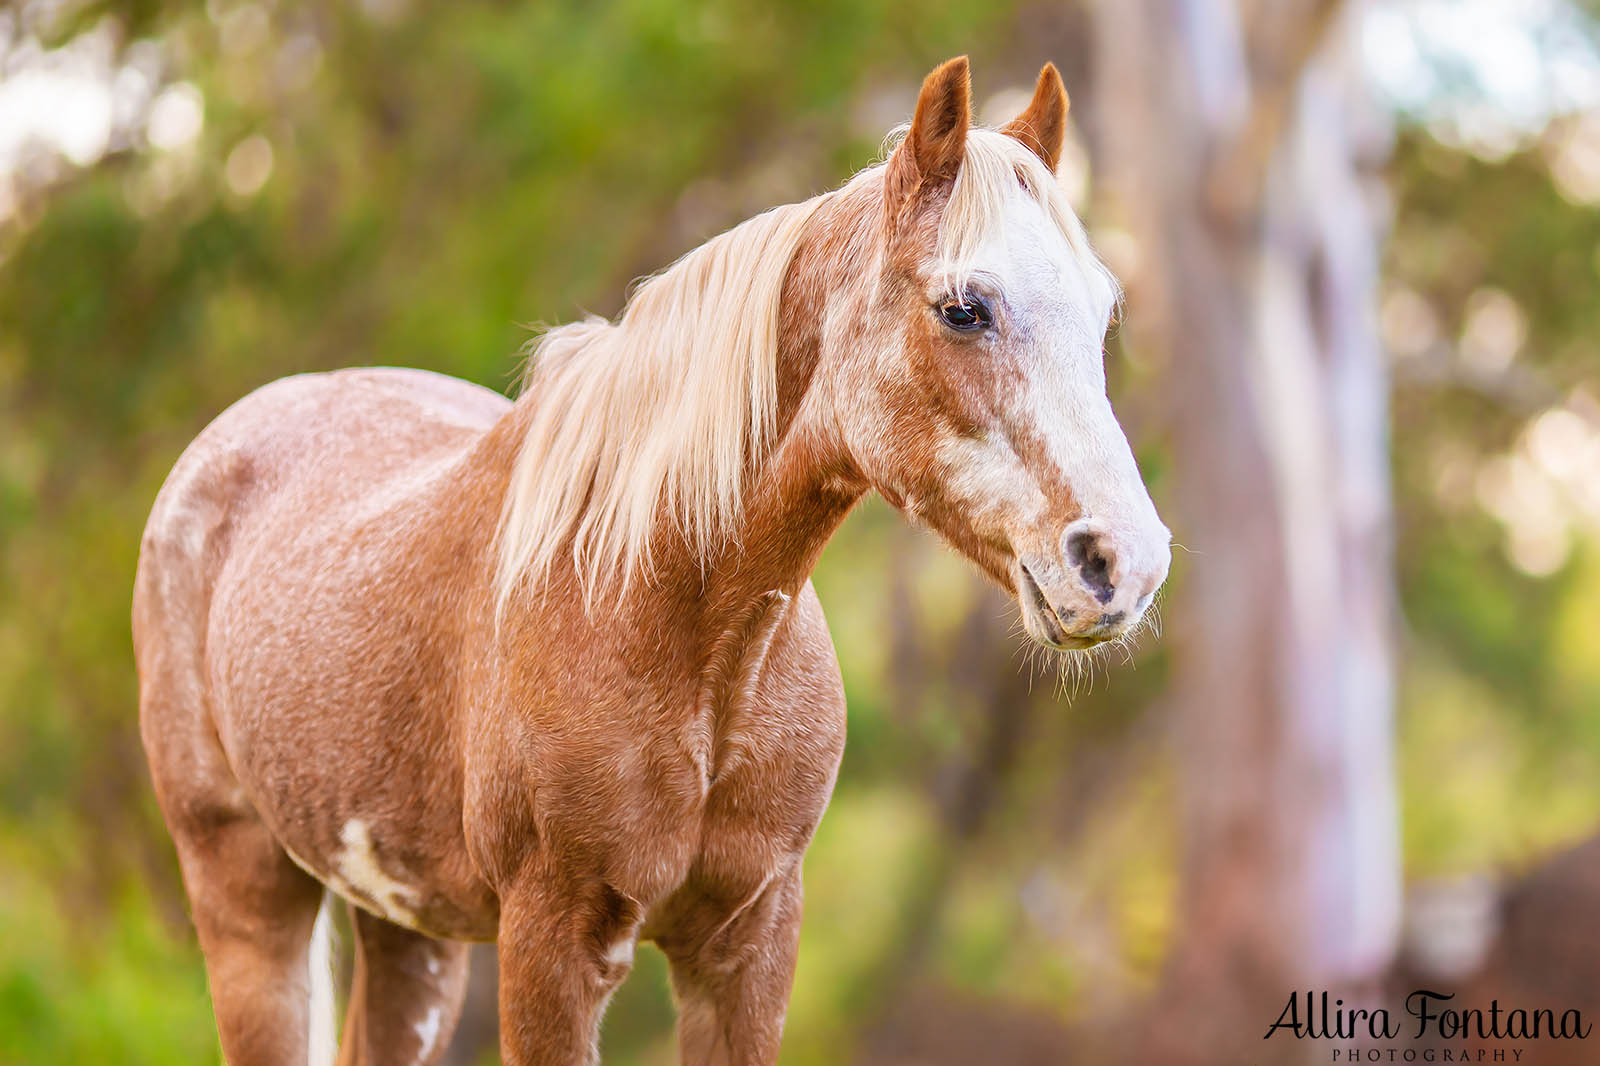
<point>732,973</point>
<point>406,998</point>
<point>562,953</point>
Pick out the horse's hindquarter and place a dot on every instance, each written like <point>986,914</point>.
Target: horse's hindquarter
<point>330,520</point>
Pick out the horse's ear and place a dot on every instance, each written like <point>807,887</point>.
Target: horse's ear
<point>937,142</point>
<point>1043,125</point>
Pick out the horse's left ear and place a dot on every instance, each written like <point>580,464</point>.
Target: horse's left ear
<point>936,144</point>
<point>1043,125</point>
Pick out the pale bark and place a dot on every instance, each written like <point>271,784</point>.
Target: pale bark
<point>1232,145</point>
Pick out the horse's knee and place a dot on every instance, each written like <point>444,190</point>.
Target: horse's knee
<point>564,947</point>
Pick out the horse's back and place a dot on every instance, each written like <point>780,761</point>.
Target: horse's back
<point>310,441</point>
<point>302,424</point>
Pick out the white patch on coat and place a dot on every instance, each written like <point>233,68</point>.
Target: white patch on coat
<point>988,478</point>
<point>620,953</point>
<point>357,867</point>
<point>427,1031</point>
<point>322,1036</point>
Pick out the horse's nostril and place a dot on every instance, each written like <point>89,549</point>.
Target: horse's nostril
<point>1079,546</point>
<point>1092,560</point>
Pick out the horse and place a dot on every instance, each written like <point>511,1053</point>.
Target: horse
<point>551,672</point>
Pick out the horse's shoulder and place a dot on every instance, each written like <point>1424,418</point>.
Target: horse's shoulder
<point>802,664</point>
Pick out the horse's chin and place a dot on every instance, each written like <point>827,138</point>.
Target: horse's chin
<point>1080,643</point>
<point>1056,641</point>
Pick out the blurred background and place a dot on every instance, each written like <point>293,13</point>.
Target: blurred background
<point>1358,361</point>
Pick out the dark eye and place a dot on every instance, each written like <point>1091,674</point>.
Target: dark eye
<point>966,315</point>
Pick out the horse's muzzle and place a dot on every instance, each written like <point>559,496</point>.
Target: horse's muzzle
<point>1098,588</point>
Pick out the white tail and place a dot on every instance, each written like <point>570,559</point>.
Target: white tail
<point>322,1031</point>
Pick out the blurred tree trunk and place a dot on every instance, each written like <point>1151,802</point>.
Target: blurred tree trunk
<point>477,1036</point>
<point>1233,135</point>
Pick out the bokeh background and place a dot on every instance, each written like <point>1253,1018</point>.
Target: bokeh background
<point>1359,360</point>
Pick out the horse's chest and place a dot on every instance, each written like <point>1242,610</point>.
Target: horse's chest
<point>602,772</point>
<point>647,810</point>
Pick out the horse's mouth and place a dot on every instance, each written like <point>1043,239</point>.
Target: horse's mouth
<point>1043,622</point>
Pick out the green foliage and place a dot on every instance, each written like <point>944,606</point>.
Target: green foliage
<point>1499,733</point>
<point>125,990</point>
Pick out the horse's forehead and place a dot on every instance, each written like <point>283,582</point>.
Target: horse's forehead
<point>1036,263</point>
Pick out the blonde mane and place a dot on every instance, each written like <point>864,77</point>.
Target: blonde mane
<point>668,405</point>
<point>663,412</point>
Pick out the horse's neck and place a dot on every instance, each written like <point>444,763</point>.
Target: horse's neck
<point>801,488</point>
<point>807,483</point>
<point>805,491</point>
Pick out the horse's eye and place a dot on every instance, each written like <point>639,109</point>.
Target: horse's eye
<point>965,316</point>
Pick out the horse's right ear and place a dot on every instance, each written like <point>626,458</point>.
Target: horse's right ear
<point>933,150</point>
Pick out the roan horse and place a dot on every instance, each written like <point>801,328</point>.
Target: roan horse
<point>552,672</point>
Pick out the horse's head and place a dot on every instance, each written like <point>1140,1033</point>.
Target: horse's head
<point>975,399</point>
